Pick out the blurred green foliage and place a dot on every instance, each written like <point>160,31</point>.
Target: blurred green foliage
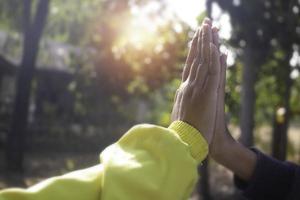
<point>104,78</point>
<point>110,77</point>
<point>270,31</point>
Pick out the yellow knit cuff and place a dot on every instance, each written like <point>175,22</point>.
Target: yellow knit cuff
<point>191,136</point>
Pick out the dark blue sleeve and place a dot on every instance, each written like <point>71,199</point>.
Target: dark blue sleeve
<point>272,179</point>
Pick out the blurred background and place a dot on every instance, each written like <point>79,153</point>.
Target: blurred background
<point>76,74</point>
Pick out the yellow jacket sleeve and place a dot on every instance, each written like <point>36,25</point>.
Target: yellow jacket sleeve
<point>148,162</point>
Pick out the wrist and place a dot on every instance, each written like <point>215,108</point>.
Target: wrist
<point>239,159</point>
<point>223,144</point>
<point>224,149</point>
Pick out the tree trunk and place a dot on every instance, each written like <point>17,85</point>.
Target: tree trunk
<point>1,77</point>
<point>279,142</point>
<point>204,188</point>
<point>248,96</point>
<point>282,117</point>
<point>32,35</point>
<point>208,8</point>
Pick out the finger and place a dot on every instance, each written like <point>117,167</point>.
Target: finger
<point>193,48</point>
<point>199,44</point>
<point>223,59</point>
<point>208,22</point>
<point>214,70</point>
<point>174,114</point>
<point>176,96</point>
<point>214,65</point>
<point>202,70</point>
<point>222,82</point>
<point>194,68</point>
<point>206,40</point>
<point>179,100</point>
<point>215,36</point>
<point>205,37</point>
<point>221,89</point>
<point>197,59</point>
<point>199,67</point>
<point>202,75</point>
<point>190,57</point>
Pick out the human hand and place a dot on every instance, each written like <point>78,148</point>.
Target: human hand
<point>196,98</point>
<point>224,148</point>
<point>222,138</point>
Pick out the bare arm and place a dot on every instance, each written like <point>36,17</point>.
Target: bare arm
<point>224,149</point>
<point>236,157</point>
<point>257,175</point>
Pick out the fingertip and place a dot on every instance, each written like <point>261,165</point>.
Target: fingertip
<point>215,32</point>
<point>224,59</point>
<point>216,39</point>
<point>207,36</point>
<point>207,21</point>
<point>215,29</point>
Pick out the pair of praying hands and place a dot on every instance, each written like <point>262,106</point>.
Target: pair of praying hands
<point>199,100</point>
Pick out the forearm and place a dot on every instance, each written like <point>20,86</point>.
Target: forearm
<point>236,157</point>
